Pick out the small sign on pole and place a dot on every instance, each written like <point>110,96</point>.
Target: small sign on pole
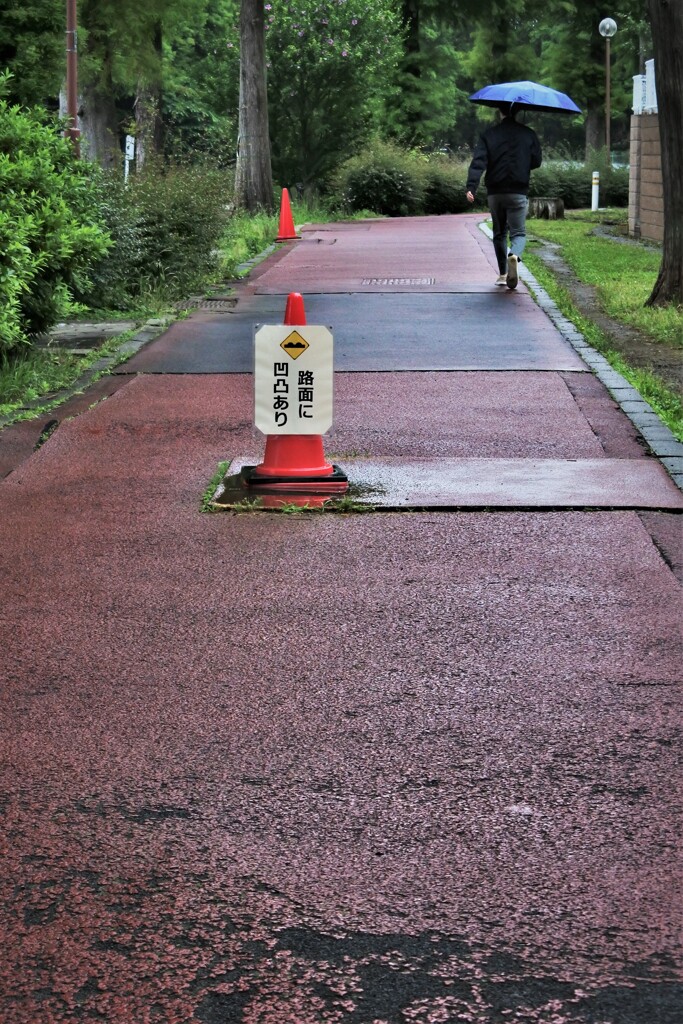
<point>293,379</point>
<point>130,155</point>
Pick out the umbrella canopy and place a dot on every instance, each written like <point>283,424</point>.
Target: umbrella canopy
<point>526,96</point>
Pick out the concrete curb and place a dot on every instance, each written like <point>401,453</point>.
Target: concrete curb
<point>652,429</point>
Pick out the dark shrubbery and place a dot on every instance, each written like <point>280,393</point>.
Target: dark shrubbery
<point>49,235</point>
<point>573,184</point>
<point>445,189</point>
<point>165,225</point>
<point>393,182</point>
<point>383,178</point>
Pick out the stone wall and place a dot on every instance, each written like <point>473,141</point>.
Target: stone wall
<point>645,202</point>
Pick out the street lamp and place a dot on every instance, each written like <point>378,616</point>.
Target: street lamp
<point>607,28</point>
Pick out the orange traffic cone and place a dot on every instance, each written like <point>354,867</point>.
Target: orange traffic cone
<point>296,462</point>
<point>286,229</point>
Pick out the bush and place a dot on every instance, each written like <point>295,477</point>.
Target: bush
<point>446,184</point>
<point>573,184</point>
<point>49,237</point>
<point>392,182</point>
<point>165,224</point>
<point>383,178</point>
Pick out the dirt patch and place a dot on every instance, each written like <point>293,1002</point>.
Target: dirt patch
<point>637,349</point>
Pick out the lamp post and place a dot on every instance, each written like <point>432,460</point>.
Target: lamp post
<point>607,28</point>
<point>73,131</point>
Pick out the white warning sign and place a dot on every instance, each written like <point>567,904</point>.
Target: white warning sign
<point>293,375</point>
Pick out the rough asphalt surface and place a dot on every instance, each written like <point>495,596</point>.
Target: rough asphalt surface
<point>402,766</point>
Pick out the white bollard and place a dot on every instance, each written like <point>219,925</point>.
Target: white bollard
<point>595,196</point>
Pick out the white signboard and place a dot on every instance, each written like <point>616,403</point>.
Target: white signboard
<point>130,147</point>
<point>293,373</point>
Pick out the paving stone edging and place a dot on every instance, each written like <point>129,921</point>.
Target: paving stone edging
<point>652,429</point>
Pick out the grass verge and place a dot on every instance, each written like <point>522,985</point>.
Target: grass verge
<point>663,400</point>
<point>623,274</point>
<point>32,380</point>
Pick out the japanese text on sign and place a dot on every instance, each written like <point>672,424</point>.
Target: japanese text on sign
<point>293,395</point>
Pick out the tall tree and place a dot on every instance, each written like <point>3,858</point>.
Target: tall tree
<point>666,18</point>
<point>331,67</point>
<point>253,174</point>
<point>573,53</point>
<point>32,49</point>
<point>428,91</point>
<point>122,69</point>
<point>201,85</point>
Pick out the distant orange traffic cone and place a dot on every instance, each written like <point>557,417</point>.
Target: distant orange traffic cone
<point>286,229</point>
<point>296,462</point>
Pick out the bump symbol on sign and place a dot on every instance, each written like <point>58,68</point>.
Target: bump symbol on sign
<point>294,345</point>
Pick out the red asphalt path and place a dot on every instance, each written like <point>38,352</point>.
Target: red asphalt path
<point>368,769</point>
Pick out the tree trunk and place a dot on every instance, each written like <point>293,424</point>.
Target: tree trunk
<point>149,133</point>
<point>99,125</point>
<point>98,119</point>
<point>666,19</point>
<point>411,92</point>
<point>595,132</point>
<point>253,174</point>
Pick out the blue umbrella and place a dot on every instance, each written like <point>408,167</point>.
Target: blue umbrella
<point>526,96</point>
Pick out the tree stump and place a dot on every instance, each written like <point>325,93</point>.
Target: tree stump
<point>546,208</point>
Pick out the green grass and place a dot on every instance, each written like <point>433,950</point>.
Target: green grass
<point>247,236</point>
<point>623,274</point>
<point>36,375</point>
<point>663,400</point>
<point>206,504</point>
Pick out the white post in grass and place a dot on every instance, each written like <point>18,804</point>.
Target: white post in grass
<point>595,193</point>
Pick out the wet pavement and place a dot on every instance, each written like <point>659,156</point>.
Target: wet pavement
<point>392,766</point>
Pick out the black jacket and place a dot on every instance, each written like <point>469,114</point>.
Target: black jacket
<point>508,152</point>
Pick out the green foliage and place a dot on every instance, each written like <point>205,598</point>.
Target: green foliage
<point>245,236</point>
<point>573,51</point>
<point>331,68</point>
<point>165,224</point>
<point>445,189</point>
<point>201,84</point>
<point>572,183</point>
<point>49,236</point>
<point>32,49</point>
<point>383,178</point>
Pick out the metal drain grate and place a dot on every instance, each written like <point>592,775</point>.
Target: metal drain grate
<point>401,281</point>
<point>217,305</point>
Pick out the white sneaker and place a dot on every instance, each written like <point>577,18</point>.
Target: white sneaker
<point>512,274</point>
<point>502,280</point>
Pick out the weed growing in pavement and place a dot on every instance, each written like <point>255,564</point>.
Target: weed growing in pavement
<point>207,503</point>
<point>245,505</point>
<point>347,503</point>
<point>291,508</point>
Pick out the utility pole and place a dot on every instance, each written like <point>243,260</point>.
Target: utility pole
<point>73,131</point>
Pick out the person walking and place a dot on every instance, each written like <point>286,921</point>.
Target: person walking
<point>507,152</point>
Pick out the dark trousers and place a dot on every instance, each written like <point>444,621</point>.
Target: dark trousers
<point>508,212</point>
